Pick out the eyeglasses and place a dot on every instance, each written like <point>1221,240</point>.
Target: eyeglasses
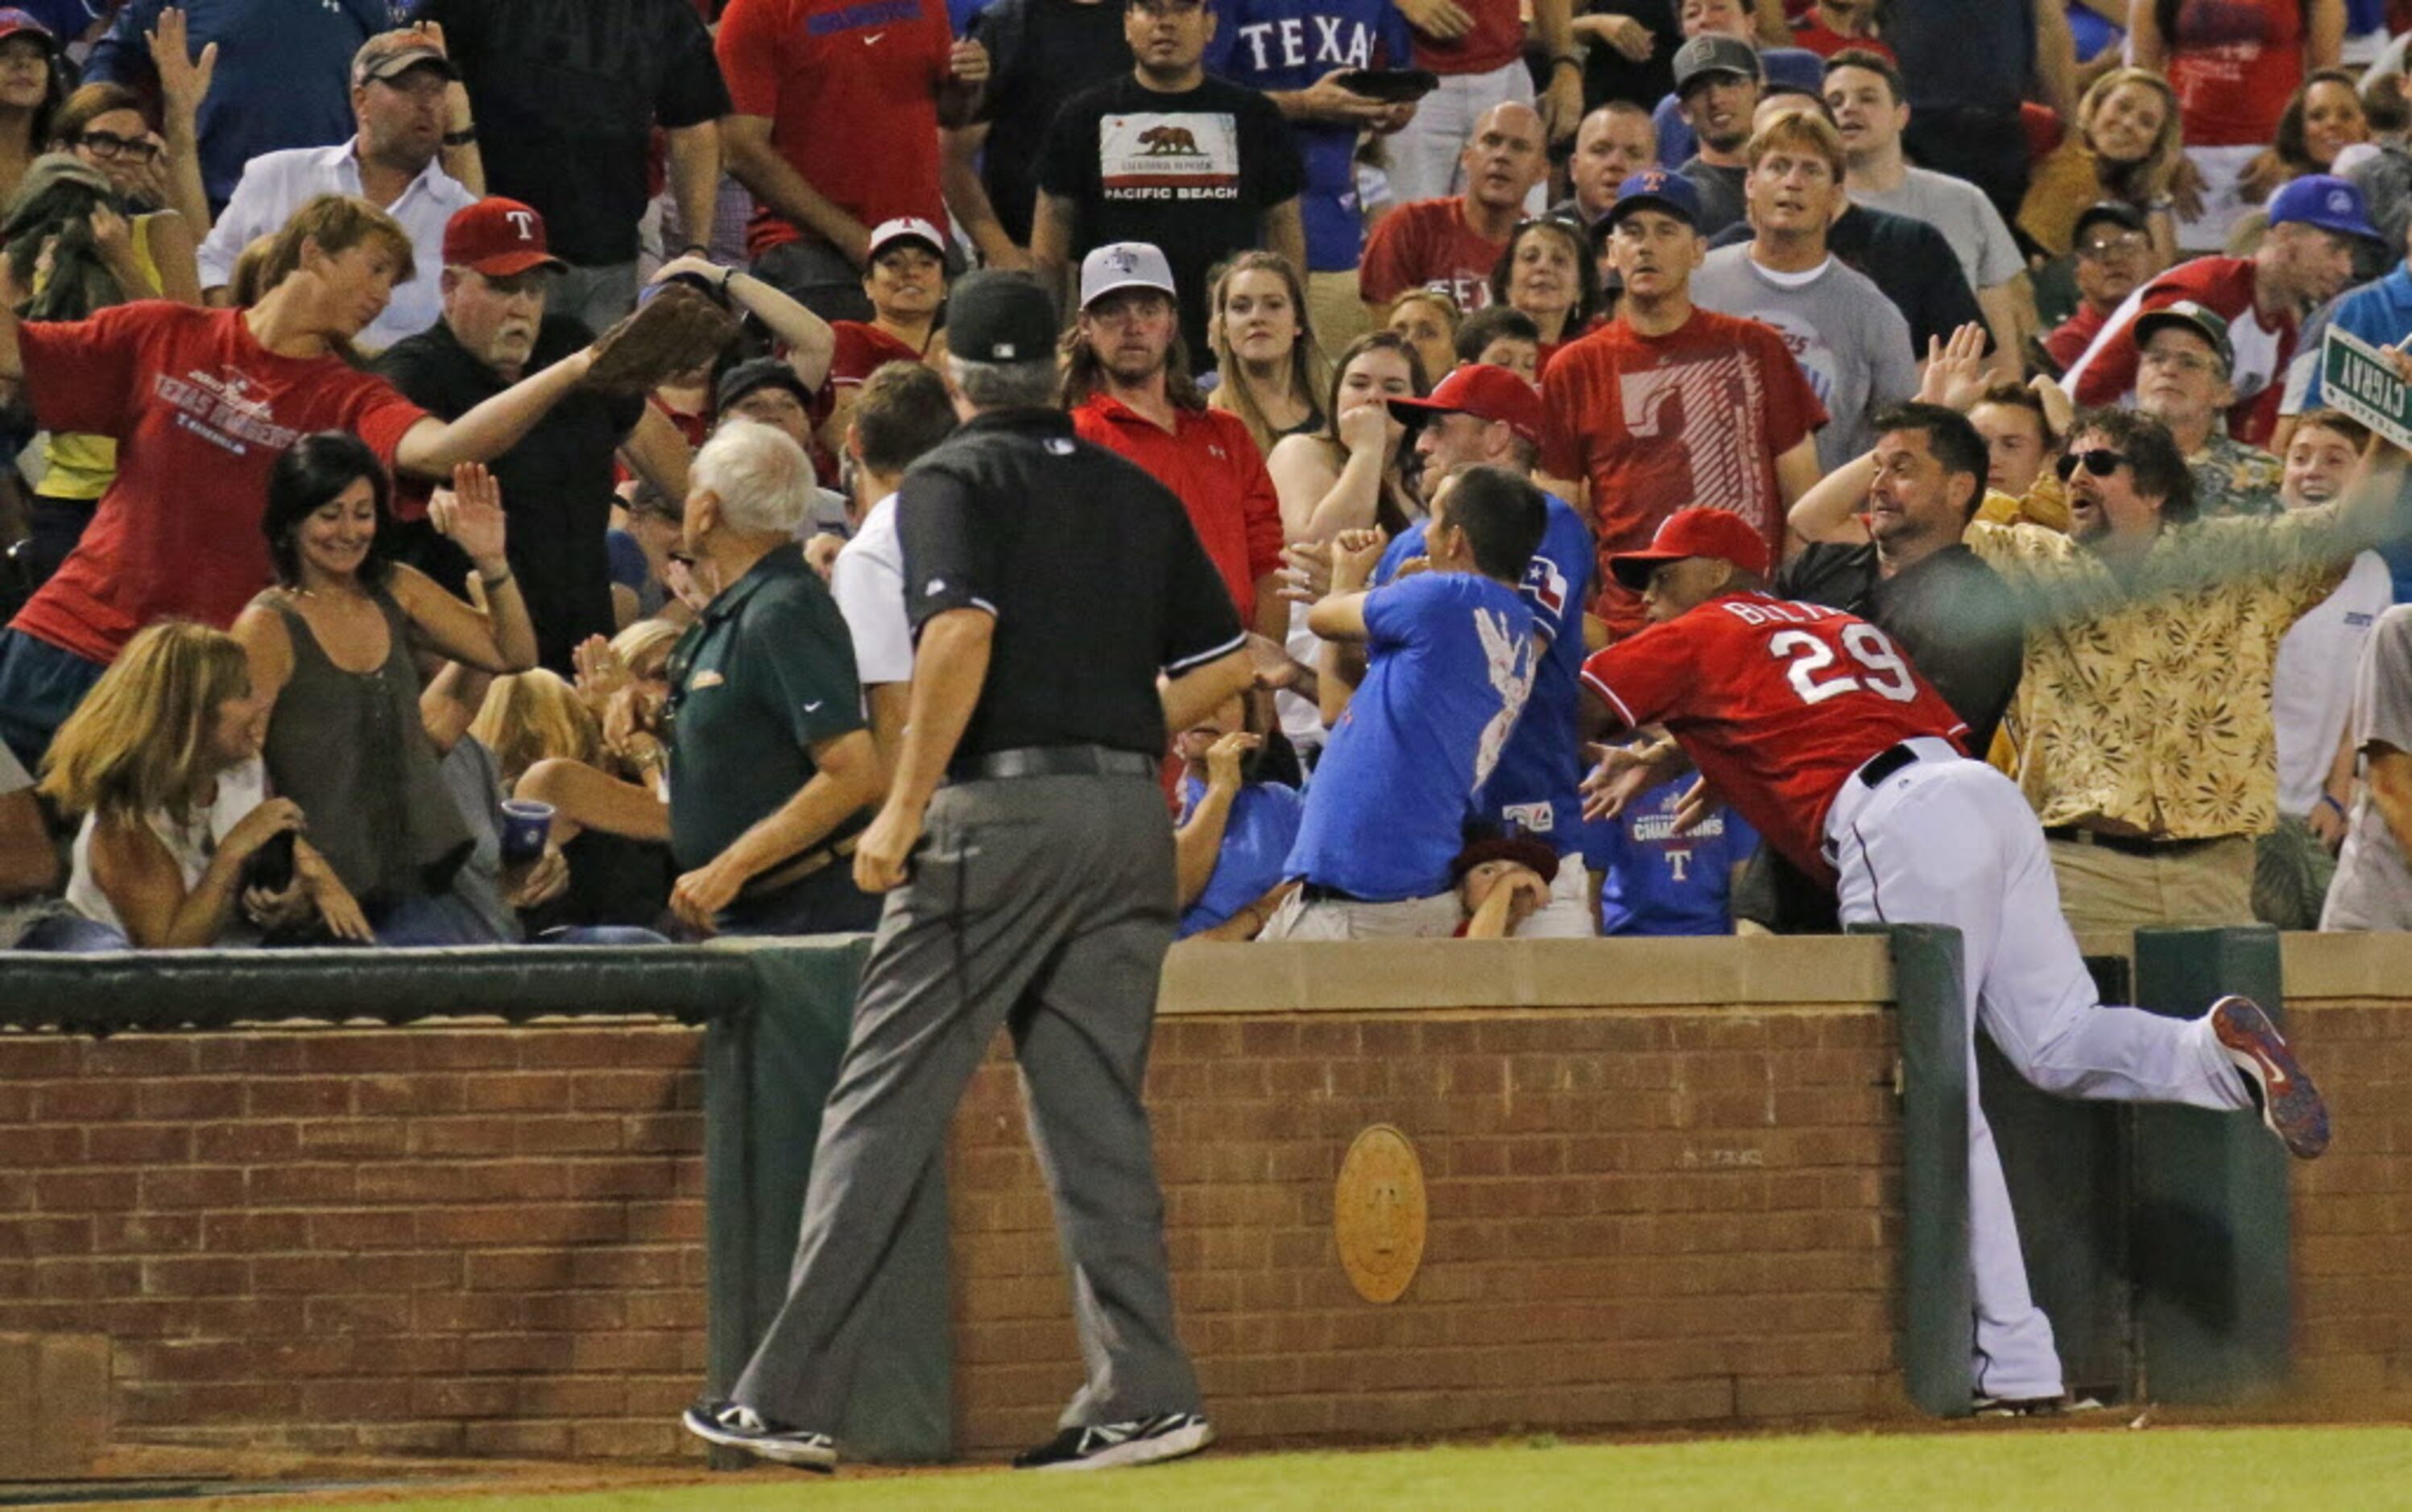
<point>2100,461</point>
<point>2130,243</point>
<point>108,146</point>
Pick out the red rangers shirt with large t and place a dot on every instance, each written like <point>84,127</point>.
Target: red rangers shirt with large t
<point>1777,704</point>
<point>1658,423</point>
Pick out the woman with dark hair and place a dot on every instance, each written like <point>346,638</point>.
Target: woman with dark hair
<point>2321,119</point>
<point>330,655</point>
<point>1548,273</point>
<point>32,84</point>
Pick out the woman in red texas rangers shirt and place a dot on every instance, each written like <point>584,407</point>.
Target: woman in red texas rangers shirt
<point>201,402</point>
<point>1812,723</point>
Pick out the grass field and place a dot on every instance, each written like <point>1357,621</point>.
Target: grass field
<point>2032,1468</point>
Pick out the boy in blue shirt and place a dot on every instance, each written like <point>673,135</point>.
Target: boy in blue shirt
<point>1657,881</point>
<point>1451,658</point>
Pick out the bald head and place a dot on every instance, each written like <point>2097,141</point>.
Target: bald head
<point>1507,155</point>
<point>1613,143</point>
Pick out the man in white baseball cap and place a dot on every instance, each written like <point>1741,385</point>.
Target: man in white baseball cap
<point>1126,382</point>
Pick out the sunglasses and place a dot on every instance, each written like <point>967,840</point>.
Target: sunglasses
<point>2101,462</point>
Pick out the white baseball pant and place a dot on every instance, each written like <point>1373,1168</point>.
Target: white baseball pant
<point>1944,840</point>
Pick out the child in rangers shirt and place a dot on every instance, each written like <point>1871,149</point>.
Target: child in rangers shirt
<point>1812,723</point>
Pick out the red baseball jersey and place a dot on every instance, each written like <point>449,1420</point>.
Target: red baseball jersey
<point>1776,703</point>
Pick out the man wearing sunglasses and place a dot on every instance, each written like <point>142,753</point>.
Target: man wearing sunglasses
<point>2147,745</point>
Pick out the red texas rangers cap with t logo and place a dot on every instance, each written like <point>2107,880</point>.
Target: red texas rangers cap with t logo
<point>1484,392</point>
<point>499,238</point>
<point>1698,530</point>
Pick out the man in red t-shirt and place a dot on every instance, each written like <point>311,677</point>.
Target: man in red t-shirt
<point>2114,256</point>
<point>838,109</point>
<point>201,402</point>
<point>2303,261</point>
<point>1452,244</point>
<point>1477,49</point>
<point>1129,391</point>
<point>1813,726</point>
<point>1668,405</point>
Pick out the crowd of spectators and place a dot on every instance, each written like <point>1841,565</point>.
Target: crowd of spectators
<point>346,601</point>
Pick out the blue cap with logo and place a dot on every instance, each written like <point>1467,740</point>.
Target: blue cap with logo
<point>2324,201</point>
<point>1654,188</point>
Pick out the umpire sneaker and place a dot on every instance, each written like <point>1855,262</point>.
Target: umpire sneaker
<point>2289,1104</point>
<point>1142,1441</point>
<point>736,1427</point>
<point>2034,1406</point>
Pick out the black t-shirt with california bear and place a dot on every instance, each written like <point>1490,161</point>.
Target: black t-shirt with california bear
<point>1192,172</point>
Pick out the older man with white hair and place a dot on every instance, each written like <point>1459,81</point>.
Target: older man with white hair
<point>772,765</point>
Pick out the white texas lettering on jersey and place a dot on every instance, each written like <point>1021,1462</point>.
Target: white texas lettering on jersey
<point>1714,409</point>
<point>1510,659</point>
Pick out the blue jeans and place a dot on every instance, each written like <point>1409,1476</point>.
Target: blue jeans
<point>72,933</point>
<point>825,903</point>
<point>39,686</point>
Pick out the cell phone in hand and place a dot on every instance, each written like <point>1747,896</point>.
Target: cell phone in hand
<point>1391,87</point>
<point>271,867</point>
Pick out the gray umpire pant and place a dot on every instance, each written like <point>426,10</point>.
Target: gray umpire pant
<point>1044,904</point>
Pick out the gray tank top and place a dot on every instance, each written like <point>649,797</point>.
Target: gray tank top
<point>348,747</point>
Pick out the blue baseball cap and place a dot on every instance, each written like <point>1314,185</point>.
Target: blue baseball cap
<point>2324,201</point>
<point>1654,188</point>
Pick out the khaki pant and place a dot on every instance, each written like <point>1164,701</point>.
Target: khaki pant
<point>1338,313</point>
<point>1416,918</point>
<point>2291,872</point>
<point>2101,889</point>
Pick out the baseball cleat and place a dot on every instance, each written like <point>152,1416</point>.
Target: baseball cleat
<point>2290,1106</point>
<point>736,1427</point>
<point>1142,1441</point>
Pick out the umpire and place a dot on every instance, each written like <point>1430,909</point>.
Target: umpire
<point>1026,842</point>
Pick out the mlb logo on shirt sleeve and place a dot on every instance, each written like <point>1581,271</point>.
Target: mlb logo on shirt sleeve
<point>1178,155</point>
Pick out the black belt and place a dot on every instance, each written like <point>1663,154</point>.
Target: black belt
<point>2126,845</point>
<point>1054,761</point>
<point>1886,762</point>
<point>1315,892</point>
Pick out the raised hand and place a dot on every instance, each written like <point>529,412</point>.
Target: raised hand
<point>1355,555</point>
<point>1223,759</point>
<point>1955,369</point>
<point>183,80</point>
<point>470,515</point>
<point>599,672</point>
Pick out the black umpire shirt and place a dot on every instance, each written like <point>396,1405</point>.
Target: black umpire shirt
<point>557,485</point>
<point>1097,580</point>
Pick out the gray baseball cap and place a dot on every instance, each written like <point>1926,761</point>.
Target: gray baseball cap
<point>1124,265</point>
<point>1714,54</point>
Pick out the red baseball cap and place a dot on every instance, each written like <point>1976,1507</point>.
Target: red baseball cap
<point>499,238</point>
<point>16,23</point>
<point>1698,530</point>
<point>1485,392</point>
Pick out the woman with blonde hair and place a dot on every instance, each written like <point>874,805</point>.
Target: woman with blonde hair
<point>531,716</point>
<point>163,760</point>
<point>2127,147</point>
<point>1273,371</point>
<point>1428,319</point>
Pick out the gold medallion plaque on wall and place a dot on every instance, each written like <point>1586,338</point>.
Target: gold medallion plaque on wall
<point>1377,1213</point>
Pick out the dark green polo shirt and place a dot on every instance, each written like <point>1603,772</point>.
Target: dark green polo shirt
<point>765,673</point>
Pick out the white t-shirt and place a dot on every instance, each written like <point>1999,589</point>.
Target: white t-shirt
<point>241,789</point>
<point>2311,692</point>
<point>1987,254</point>
<point>868,581</point>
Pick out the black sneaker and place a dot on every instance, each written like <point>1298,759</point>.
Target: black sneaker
<point>736,1427</point>
<point>2034,1406</point>
<point>1143,1441</point>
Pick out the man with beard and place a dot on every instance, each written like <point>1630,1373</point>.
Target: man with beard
<point>1718,81</point>
<point>1128,387</point>
<point>1451,245</point>
<point>2147,752</point>
<point>557,485</point>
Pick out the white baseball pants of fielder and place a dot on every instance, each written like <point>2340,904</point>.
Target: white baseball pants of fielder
<point>1944,840</point>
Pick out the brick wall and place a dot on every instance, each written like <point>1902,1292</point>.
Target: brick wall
<point>439,1240</point>
<point>1637,1217</point>
<point>486,1240</point>
<point>2353,1211</point>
